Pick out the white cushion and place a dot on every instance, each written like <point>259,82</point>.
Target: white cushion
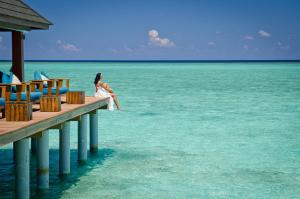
<point>43,77</point>
<point>15,79</point>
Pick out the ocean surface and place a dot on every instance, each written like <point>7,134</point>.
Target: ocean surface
<point>186,130</point>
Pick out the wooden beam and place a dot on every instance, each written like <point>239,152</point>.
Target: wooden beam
<point>75,118</point>
<point>104,107</point>
<point>37,135</point>
<point>18,55</point>
<point>93,112</point>
<point>58,126</point>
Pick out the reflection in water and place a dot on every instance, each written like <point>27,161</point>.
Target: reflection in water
<point>57,183</point>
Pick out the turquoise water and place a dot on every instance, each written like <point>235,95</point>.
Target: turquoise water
<point>187,130</point>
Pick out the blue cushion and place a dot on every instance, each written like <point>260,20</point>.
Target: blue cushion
<point>2,101</point>
<point>62,90</point>
<point>6,79</point>
<point>45,75</point>
<point>38,76</point>
<point>33,96</point>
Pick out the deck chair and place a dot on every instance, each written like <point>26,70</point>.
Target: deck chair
<point>22,93</point>
<point>14,91</point>
<point>45,82</point>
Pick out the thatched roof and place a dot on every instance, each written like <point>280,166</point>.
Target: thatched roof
<point>16,15</point>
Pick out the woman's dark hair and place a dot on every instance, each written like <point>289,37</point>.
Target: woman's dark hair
<point>97,78</point>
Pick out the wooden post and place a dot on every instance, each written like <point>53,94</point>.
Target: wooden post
<point>33,145</point>
<point>22,169</point>
<point>64,149</point>
<point>43,160</point>
<point>18,55</point>
<point>82,138</point>
<point>94,132</point>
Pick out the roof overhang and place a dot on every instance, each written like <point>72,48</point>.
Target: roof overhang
<point>15,15</point>
<point>8,23</point>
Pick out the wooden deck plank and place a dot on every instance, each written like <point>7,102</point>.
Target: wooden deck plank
<point>13,131</point>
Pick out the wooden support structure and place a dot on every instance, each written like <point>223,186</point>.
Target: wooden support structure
<point>64,149</point>
<point>43,160</point>
<point>93,131</point>
<point>82,138</point>
<point>33,145</point>
<point>14,131</point>
<point>76,118</point>
<point>59,127</point>
<point>22,182</point>
<point>18,54</point>
<point>37,129</point>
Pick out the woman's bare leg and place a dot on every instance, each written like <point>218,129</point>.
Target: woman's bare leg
<point>116,101</point>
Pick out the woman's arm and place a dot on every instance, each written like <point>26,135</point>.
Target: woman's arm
<point>106,87</point>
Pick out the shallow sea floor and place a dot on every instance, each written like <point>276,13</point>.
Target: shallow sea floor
<point>187,130</point>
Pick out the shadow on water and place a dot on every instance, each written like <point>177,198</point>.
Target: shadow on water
<point>57,184</point>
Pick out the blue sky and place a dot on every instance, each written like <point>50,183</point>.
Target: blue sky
<point>163,29</point>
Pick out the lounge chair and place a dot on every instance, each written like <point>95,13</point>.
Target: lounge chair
<point>45,82</point>
<point>19,91</point>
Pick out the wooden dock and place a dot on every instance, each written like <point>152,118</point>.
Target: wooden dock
<point>37,130</point>
<point>14,131</point>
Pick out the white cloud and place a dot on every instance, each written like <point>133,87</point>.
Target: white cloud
<point>282,46</point>
<point>264,33</point>
<point>67,46</point>
<point>155,40</point>
<point>248,37</point>
<point>246,47</point>
<point>70,47</point>
<point>211,43</point>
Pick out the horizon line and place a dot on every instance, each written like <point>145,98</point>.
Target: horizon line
<point>171,60</point>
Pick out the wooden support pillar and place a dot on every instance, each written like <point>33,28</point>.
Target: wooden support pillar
<point>22,169</point>
<point>18,54</point>
<point>93,132</point>
<point>64,149</point>
<point>43,160</point>
<point>33,145</point>
<point>82,138</point>
<point>14,152</point>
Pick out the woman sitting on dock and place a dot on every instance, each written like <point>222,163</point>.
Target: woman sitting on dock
<point>103,90</point>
